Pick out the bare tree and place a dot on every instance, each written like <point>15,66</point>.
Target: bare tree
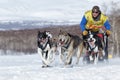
<point>114,18</point>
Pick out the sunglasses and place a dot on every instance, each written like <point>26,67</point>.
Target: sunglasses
<point>95,12</point>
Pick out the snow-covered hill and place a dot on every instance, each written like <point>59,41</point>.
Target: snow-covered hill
<point>31,24</point>
<point>28,67</point>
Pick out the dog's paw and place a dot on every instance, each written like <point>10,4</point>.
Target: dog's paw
<point>46,66</point>
<point>43,66</point>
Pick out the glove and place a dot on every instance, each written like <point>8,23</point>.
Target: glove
<point>85,33</point>
<point>108,32</point>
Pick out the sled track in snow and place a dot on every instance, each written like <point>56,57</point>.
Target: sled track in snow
<point>28,67</point>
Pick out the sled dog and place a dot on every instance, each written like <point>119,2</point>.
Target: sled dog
<point>94,48</point>
<point>46,48</point>
<point>70,44</point>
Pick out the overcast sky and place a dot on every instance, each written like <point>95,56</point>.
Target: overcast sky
<point>46,9</point>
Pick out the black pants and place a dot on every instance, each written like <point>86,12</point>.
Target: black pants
<point>106,49</point>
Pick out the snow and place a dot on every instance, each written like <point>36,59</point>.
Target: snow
<point>28,67</point>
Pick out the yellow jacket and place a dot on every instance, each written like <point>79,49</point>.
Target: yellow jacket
<point>91,22</point>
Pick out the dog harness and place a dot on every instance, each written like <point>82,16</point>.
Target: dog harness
<point>67,44</point>
<point>43,47</point>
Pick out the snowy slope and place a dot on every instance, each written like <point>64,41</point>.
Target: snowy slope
<point>28,67</point>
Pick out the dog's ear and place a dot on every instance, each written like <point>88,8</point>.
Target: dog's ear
<point>39,33</point>
<point>60,32</point>
<point>44,34</point>
<point>69,34</point>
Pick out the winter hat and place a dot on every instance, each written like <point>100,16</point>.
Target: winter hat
<point>96,8</point>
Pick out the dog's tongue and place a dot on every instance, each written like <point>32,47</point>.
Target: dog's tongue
<point>61,42</point>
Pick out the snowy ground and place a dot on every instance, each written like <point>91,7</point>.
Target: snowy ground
<point>28,67</point>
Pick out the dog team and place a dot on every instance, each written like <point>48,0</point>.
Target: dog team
<point>69,46</point>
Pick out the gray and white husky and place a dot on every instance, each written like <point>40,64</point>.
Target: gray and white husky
<point>69,45</point>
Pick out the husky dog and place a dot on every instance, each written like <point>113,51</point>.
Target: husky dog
<point>69,44</point>
<point>94,48</point>
<point>46,48</point>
